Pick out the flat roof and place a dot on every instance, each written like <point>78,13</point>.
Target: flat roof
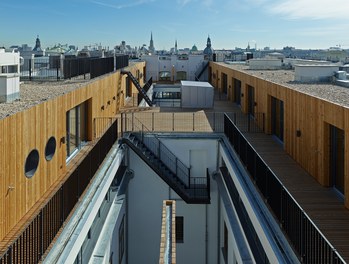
<point>33,93</point>
<point>326,91</point>
<point>196,84</point>
<point>36,92</point>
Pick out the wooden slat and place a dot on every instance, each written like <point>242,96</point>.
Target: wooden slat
<point>320,203</point>
<point>30,129</point>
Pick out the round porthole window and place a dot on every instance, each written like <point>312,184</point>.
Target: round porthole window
<point>31,164</point>
<point>50,148</point>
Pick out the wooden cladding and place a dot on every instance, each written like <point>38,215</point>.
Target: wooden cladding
<point>305,123</point>
<point>31,129</point>
<point>32,243</point>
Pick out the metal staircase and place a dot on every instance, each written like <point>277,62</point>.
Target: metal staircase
<point>141,90</point>
<point>193,190</point>
<point>197,77</point>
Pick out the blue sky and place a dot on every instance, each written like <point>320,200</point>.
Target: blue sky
<point>230,23</point>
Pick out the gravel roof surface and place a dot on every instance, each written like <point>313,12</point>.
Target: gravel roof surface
<point>33,93</point>
<point>326,91</point>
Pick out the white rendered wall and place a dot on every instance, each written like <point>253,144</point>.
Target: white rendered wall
<point>154,65</point>
<point>314,73</point>
<point>196,213</point>
<point>146,191</point>
<point>264,64</point>
<point>197,95</point>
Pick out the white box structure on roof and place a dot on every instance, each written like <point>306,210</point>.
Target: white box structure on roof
<point>196,94</point>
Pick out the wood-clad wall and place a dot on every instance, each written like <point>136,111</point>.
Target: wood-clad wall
<point>30,129</point>
<point>310,115</point>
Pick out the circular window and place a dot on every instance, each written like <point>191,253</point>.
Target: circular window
<point>50,148</point>
<point>31,164</point>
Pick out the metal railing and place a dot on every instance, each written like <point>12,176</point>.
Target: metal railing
<point>195,186</point>
<point>308,241</point>
<point>193,121</point>
<point>101,125</point>
<point>57,68</point>
<point>153,143</point>
<point>31,244</point>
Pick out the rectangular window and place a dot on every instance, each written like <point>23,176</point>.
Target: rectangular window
<point>250,98</point>
<point>277,118</point>
<point>237,91</point>
<point>337,158</point>
<point>76,125</point>
<point>179,229</point>
<point>225,83</point>
<point>121,239</point>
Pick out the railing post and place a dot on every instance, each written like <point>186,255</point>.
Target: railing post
<point>133,122</point>
<point>62,205</point>
<point>173,121</point>
<point>125,115</point>
<point>152,121</point>
<point>214,121</point>
<point>193,122</point>
<point>41,215</point>
<point>94,128</point>
<point>57,71</point>
<point>30,69</point>
<point>121,126</point>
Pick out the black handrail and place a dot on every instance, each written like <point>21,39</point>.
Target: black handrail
<point>308,241</point>
<point>161,151</point>
<point>31,244</point>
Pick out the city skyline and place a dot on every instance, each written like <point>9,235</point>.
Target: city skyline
<point>302,24</point>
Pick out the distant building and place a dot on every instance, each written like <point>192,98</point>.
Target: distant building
<point>208,51</point>
<point>37,47</point>
<point>172,68</point>
<point>151,44</point>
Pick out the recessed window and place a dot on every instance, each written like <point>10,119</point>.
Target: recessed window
<point>179,229</point>
<point>50,148</point>
<point>31,163</point>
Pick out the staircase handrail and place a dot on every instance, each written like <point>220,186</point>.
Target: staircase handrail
<point>162,152</point>
<point>204,67</point>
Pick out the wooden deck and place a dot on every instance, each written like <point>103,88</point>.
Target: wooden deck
<point>321,204</point>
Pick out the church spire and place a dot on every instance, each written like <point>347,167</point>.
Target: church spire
<point>151,44</point>
<point>37,44</point>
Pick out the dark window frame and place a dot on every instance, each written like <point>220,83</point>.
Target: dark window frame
<point>179,229</point>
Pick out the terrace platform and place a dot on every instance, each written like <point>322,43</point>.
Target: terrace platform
<point>323,205</point>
